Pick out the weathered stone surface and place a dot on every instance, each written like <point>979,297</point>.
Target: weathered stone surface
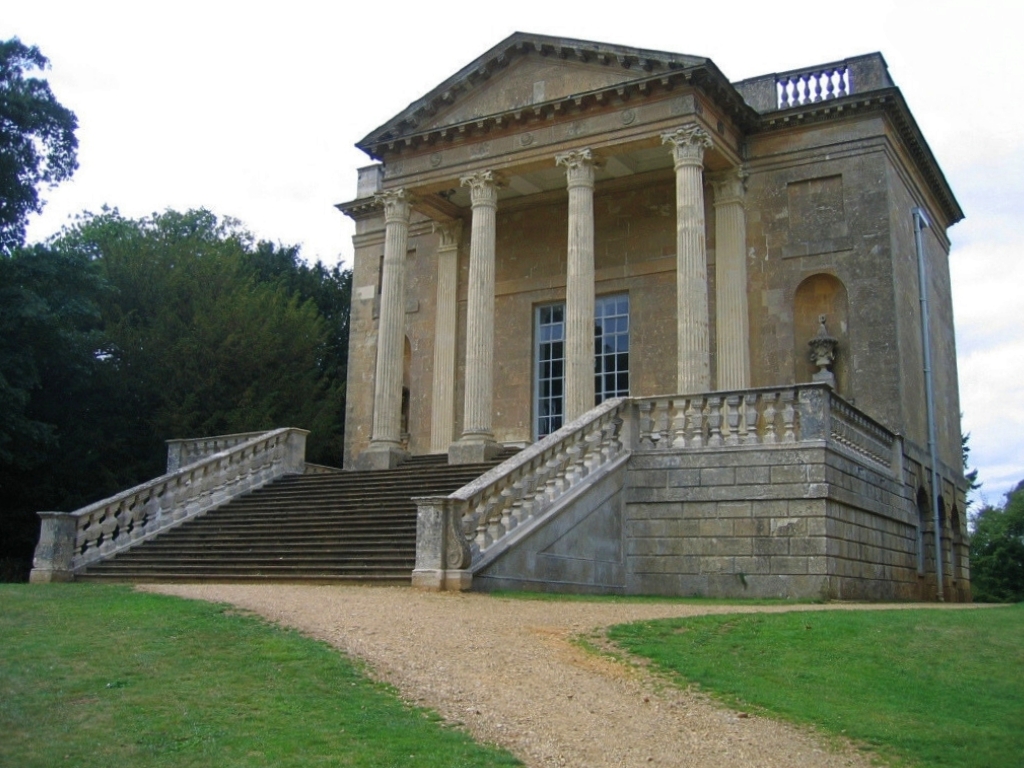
<point>730,243</point>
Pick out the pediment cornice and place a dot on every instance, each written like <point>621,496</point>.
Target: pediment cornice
<point>643,67</point>
<point>705,77</point>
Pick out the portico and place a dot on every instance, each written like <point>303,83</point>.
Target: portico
<point>572,173</point>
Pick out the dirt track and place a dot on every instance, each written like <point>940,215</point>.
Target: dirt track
<point>507,671</point>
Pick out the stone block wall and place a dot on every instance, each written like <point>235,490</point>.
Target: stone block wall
<point>780,521</point>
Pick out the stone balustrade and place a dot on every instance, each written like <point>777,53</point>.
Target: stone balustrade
<point>760,417</point>
<point>69,541</point>
<point>800,88</point>
<point>458,531</point>
<point>184,451</point>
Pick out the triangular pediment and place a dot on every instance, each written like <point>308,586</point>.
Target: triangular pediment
<point>525,70</point>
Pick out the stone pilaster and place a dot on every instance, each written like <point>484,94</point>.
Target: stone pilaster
<point>579,285</point>
<point>385,449</point>
<point>731,319</point>
<point>477,441</point>
<point>693,351</point>
<point>442,412</point>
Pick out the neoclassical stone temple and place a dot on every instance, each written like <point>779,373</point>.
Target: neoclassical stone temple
<point>714,318</point>
<point>696,304</point>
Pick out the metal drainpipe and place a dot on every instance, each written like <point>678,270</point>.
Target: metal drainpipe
<point>920,222</point>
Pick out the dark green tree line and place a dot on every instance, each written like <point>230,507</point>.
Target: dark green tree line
<point>997,550</point>
<point>120,333</point>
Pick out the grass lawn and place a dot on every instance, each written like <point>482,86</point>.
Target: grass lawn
<point>921,687</point>
<point>94,675</point>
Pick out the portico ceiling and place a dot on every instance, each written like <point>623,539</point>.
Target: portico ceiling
<point>532,181</point>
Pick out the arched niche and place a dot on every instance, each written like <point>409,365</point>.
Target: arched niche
<point>923,508</point>
<point>817,295</point>
<point>406,391</point>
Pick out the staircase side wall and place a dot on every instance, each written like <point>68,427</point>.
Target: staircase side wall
<point>800,522</point>
<point>580,550</point>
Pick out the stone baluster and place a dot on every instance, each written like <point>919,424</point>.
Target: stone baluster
<point>385,451</point>
<point>646,424</point>
<point>579,286</point>
<point>788,417</point>
<point>693,364</point>
<point>750,418</point>
<point>679,422</point>
<point>477,441</point>
<point>770,434</point>
<point>695,422</point>
<point>731,317</point>
<point>714,422</point>
<point>732,419</point>
<point>442,410</point>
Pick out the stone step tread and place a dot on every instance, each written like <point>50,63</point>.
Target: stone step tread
<point>391,569</point>
<point>398,560</point>
<point>347,526</point>
<point>396,578</point>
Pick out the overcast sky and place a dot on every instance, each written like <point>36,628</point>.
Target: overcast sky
<point>252,109</point>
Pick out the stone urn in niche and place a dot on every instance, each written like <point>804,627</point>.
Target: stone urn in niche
<point>823,353</point>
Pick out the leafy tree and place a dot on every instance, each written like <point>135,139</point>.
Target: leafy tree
<point>49,374</point>
<point>206,344</point>
<point>37,139</point>
<point>997,551</point>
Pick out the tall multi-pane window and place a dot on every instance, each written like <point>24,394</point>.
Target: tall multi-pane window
<point>611,358</point>
<point>550,356</point>
<point>611,347</point>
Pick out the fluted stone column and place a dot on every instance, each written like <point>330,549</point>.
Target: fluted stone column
<point>579,285</point>
<point>442,412</point>
<point>477,441</point>
<point>731,320</point>
<point>385,449</point>
<point>694,363</point>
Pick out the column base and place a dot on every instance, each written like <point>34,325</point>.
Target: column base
<point>458,581</point>
<point>436,580</point>
<point>46,576</point>
<point>472,450</point>
<point>381,456</point>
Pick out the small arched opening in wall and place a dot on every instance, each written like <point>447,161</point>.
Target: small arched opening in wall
<point>406,391</point>
<point>955,545</point>
<point>923,508</point>
<point>817,295</point>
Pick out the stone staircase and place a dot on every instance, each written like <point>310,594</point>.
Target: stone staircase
<point>327,527</point>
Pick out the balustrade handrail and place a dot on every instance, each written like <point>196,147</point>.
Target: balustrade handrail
<point>761,416</point>
<point>541,447</point>
<point>522,488</point>
<point>182,451</point>
<point>111,525</point>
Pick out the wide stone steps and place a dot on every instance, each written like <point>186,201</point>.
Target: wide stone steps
<point>340,526</point>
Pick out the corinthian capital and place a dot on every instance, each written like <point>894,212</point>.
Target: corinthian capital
<point>729,186</point>
<point>483,187</point>
<point>450,232</point>
<point>688,144</point>
<point>579,166</point>
<point>397,205</point>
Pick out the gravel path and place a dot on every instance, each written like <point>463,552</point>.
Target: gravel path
<point>507,671</point>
